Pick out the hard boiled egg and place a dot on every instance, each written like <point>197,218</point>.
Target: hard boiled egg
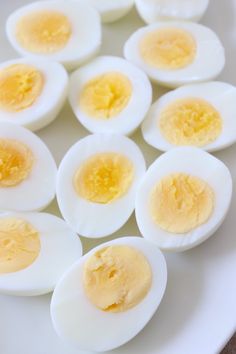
<point>159,10</point>
<point>65,31</point>
<point>176,53</point>
<point>201,115</point>
<point>32,92</point>
<point>35,250</point>
<point>181,202</point>
<point>27,170</point>
<point>97,183</point>
<point>110,95</point>
<point>111,11</point>
<point>101,315</point>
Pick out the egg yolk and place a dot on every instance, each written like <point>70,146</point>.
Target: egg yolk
<point>20,86</point>
<point>179,203</point>
<point>19,245</point>
<point>190,121</point>
<point>168,48</point>
<point>16,162</point>
<point>106,96</point>
<point>117,278</point>
<point>104,177</point>
<point>43,32</point>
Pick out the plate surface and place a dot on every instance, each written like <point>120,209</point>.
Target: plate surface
<point>198,313</point>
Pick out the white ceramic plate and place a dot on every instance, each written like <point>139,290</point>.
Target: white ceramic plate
<point>198,313</point>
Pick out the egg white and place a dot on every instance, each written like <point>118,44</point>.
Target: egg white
<point>194,162</point>
<point>79,322</point>
<point>132,115</point>
<point>111,11</point>
<point>89,219</point>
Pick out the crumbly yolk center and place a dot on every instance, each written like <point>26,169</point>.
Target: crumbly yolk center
<point>43,32</point>
<point>190,121</point>
<point>179,203</point>
<point>117,278</point>
<point>19,245</point>
<point>105,96</point>
<point>16,162</point>
<point>104,177</point>
<point>168,48</point>
<point>20,86</point>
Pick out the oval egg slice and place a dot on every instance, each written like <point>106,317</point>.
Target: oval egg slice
<point>111,11</point>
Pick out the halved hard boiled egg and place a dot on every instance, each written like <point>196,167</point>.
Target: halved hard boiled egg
<point>160,10</point>
<point>201,115</point>
<point>176,53</point>
<point>32,91</point>
<point>65,31</point>
<point>97,183</point>
<point>110,95</point>
<point>109,295</point>
<point>27,170</point>
<point>35,250</point>
<point>111,11</point>
<point>181,202</point>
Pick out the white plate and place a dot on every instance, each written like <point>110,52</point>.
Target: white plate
<point>198,313</point>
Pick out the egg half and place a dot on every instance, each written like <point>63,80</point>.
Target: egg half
<point>35,250</point>
<point>111,11</point>
<point>110,95</point>
<point>130,275</point>
<point>176,53</point>
<point>201,115</point>
<point>27,170</point>
<point>97,182</point>
<point>181,202</point>
<point>65,31</point>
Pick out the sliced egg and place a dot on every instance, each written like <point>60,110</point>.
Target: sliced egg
<point>27,170</point>
<point>35,250</point>
<point>111,11</point>
<point>176,53</point>
<point>65,31</point>
<point>32,92</point>
<point>181,202</point>
<point>201,115</point>
<point>110,95</point>
<point>97,183</point>
<point>102,315</point>
<point>161,10</point>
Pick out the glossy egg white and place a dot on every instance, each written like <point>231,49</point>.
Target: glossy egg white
<point>222,96</point>
<point>38,190</point>
<point>111,11</point>
<point>78,322</point>
<point>51,100</point>
<point>60,248</point>
<point>125,122</point>
<point>160,10</point>
<point>95,220</point>
<point>85,39</point>
<point>208,63</point>
<point>195,162</point>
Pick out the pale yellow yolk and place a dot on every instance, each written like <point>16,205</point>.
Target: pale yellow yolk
<point>168,48</point>
<point>117,278</point>
<point>179,203</point>
<point>43,32</point>
<point>190,121</point>
<point>16,162</point>
<point>19,245</point>
<point>104,177</point>
<point>20,86</point>
<point>106,96</point>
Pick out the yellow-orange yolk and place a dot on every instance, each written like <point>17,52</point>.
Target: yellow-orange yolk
<point>179,203</point>
<point>20,86</point>
<point>117,278</point>
<point>168,48</point>
<point>106,96</point>
<point>16,162</point>
<point>43,32</point>
<point>190,121</point>
<point>104,177</point>
<point>19,245</point>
